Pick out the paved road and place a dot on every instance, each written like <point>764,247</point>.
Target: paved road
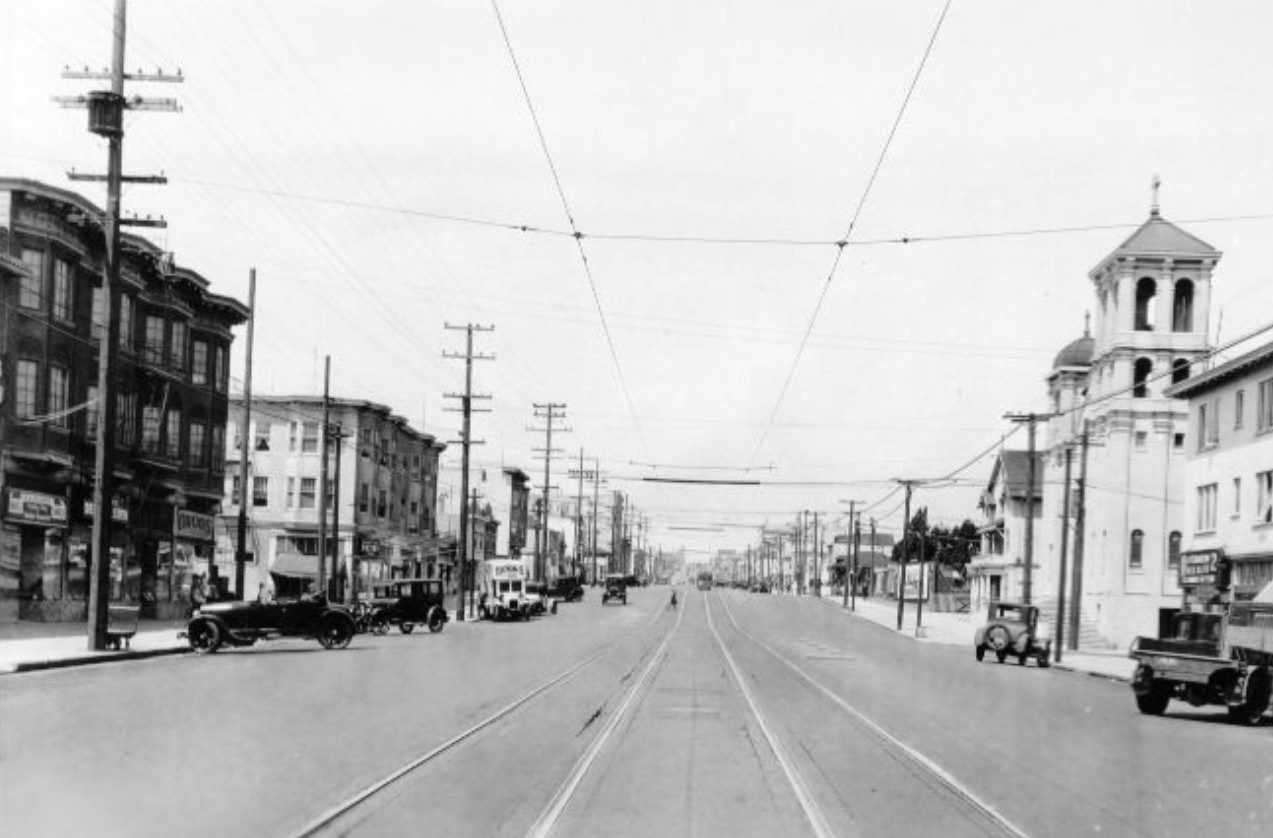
<point>737,715</point>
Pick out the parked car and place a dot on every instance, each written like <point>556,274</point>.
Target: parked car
<point>1012,628</point>
<point>243,623</point>
<point>408,603</point>
<point>566,588</point>
<point>537,598</point>
<point>616,588</point>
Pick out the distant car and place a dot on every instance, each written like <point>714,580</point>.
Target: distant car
<point>1013,629</point>
<point>616,588</point>
<point>408,603</point>
<point>243,623</point>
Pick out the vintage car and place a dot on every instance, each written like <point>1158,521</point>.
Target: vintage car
<point>616,588</point>
<point>243,623</point>
<point>1014,629</point>
<point>538,599</point>
<point>502,583</point>
<point>566,588</point>
<point>407,603</point>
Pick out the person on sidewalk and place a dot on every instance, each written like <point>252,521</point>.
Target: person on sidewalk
<point>198,593</point>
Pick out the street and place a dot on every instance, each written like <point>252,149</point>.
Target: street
<point>737,714</point>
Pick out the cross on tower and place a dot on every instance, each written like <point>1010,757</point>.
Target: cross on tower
<point>1154,185</point>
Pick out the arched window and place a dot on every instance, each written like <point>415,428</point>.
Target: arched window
<point>1173,550</point>
<point>1146,292</point>
<point>1179,370</point>
<point>1140,377</point>
<point>1182,307</point>
<point>1134,558</point>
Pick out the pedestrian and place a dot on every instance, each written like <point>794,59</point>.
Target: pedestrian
<point>198,593</point>
<point>264,594</point>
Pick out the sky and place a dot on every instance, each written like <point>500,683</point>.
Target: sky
<point>376,164</point>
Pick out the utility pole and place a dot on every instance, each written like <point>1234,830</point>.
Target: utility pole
<point>1065,544</point>
<point>548,411</point>
<point>1031,420</point>
<point>906,545</point>
<point>466,441</point>
<point>323,582</point>
<point>351,593</point>
<point>240,554</point>
<point>850,574</point>
<point>579,519</point>
<point>1080,521</point>
<point>106,119</point>
<point>596,512</point>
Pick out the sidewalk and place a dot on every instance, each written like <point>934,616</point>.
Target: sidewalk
<point>26,647</point>
<point>958,630</point>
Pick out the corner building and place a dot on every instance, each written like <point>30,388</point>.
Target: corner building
<point>170,382</point>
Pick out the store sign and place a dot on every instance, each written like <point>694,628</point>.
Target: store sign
<point>193,526</point>
<point>119,512</point>
<point>35,508</point>
<point>1199,568</point>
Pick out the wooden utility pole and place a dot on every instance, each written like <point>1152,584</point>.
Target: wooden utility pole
<point>1080,522</point>
<point>351,592</point>
<point>245,446</point>
<point>596,512</point>
<point>106,119</point>
<point>1031,420</point>
<point>323,585</point>
<point>901,568</point>
<point>1065,544</point>
<point>466,440</point>
<point>548,411</point>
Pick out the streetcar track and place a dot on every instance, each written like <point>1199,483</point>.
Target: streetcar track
<point>912,755</point>
<point>373,790</point>
<point>812,812</point>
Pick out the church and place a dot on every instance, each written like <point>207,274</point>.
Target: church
<point>1121,441</point>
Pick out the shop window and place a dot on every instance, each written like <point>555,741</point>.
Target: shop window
<point>1146,294</point>
<point>1135,557</point>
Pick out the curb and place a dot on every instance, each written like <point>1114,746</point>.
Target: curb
<point>1118,679</point>
<point>89,660</point>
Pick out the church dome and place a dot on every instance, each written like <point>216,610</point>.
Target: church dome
<point>1077,353</point>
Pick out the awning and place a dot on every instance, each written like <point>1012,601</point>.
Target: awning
<point>296,565</point>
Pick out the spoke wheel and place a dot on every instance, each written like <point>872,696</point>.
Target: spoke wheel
<point>405,627</point>
<point>335,632</point>
<point>1259,688</point>
<point>205,637</point>
<point>437,619</point>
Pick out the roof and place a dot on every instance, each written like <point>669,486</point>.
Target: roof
<point>1013,468</point>
<point>1258,358</point>
<point>1077,353</point>
<point>1159,237</point>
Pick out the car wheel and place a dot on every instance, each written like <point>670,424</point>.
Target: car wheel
<point>1022,658</point>
<point>204,637</point>
<point>335,631</point>
<point>1043,661</point>
<point>436,620</point>
<point>981,653</point>
<point>378,623</point>
<point>1001,654</point>
<point>1259,689</point>
<point>998,638</point>
<point>406,627</point>
<point>1154,702</point>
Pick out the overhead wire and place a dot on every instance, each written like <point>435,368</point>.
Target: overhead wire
<point>857,212</point>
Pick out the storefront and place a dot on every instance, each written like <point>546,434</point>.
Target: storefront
<point>32,553</point>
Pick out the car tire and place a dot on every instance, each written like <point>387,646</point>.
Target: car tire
<point>1043,661</point>
<point>1001,655</point>
<point>1259,689</point>
<point>406,627</point>
<point>981,653</point>
<point>335,631</point>
<point>1154,702</point>
<point>1022,658</point>
<point>204,637</point>
<point>436,619</point>
<point>999,638</point>
<point>378,624</point>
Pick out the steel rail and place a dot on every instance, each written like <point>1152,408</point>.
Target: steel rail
<point>547,820</point>
<point>941,775</point>
<point>329,816</point>
<point>812,813</point>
